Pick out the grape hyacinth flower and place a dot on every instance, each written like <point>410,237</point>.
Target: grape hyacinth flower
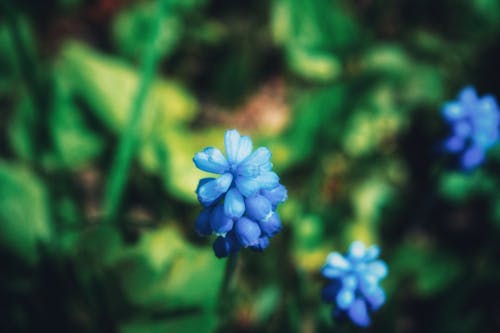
<point>354,285</point>
<point>474,123</point>
<point>239,205</point>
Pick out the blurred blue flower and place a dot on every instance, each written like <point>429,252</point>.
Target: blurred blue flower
<point>354,285</point>
<point>474,123</point>
<point>240,205</point>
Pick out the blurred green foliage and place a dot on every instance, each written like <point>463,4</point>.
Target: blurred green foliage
<point>346,94</point>
<point>24,212</point>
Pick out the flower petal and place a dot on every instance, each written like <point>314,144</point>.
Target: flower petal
<point>224,246</point>
<point>221,247</point>
<point>368,282</point>
<point>489,106</point>
<point>378,268</point>
<point>259,157</point>
<point>485,137</point>
<point>210,189</point>
<point>345,298</point>
<point>271,226</point>
<point>266,167</point>
<point>472,157</point>
<point>258,208</point>
<point>261,245</point>
<point>268,180</point>
<point>452,111</point>
<point>247,186</point>
<point>234,206</point>
<point>276,195</point>
<point>244,149</point>
<point>462,129</point>
<point>220,222</point>
<point>337,261</point>
<point>249,170</point>
<point>331,272</point>
<point>349,282</point>
<point>247,231</point>
<point>232,142</point>
<point>202,224</point>
<point>468,96</point>
<point>211,160</point>
<point>375,297</point>
<point>205,186</point>
<point>372,253</point>
<point>359,313</point>
<point>454,144</point>
<point>357,250</point>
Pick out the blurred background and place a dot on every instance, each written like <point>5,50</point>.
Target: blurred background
<point>104,103</point>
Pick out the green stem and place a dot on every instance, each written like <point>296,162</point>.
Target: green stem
<point>224,303</point>
<point>38,86</point>
<point>130,136</point>
<point>27,64</point>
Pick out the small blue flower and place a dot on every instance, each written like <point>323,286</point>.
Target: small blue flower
<point>240,205</point>
<point>224,246</point>
<point>354,285</point>
<point>474,124</point>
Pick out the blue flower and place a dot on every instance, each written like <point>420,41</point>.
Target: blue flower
<point>354,285</point>
<point>474,124</point>
<point>240,205</point>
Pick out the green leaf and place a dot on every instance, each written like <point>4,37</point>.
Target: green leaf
<point>314,65</point>
<point>162,271</point>
<point>313,34</point>
<point>24,214</point>
<point>73,142</point>
<point>165,271</point>
<point>386,59</point>
<point>9,56</point>
<point>132,27</point>
<point>108,86</point>
<point>19,130</point>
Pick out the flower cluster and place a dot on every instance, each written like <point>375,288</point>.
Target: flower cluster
<point>240,205</point>
<point>474,123</point>
<point>354,284</point>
